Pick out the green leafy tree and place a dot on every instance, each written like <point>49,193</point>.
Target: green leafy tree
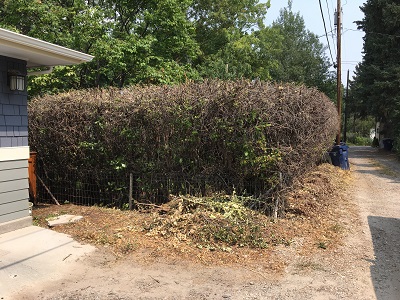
<point>225,33</point>
<point>236,60</point>
<point>132,41</point>
<point>250,56</point>
<point>302,57</point>
<point>268,49</point>
<point>168,41</point>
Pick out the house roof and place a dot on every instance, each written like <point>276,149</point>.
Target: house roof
<point>37,52</point>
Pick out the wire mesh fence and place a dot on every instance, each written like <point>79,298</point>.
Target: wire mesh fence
<point>114,188</point>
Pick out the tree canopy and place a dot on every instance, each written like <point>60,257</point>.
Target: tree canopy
<point>169,41</point>
<point>376,88</point>
<point>302,57</point>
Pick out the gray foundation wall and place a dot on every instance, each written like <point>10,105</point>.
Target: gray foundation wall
<point>14,190</point>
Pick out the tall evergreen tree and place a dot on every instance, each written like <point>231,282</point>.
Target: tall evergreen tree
<point>376,88</point>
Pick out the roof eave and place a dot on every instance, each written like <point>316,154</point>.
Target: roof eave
<point>31,45</point>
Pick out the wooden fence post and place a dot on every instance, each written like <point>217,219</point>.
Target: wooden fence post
<point>32,177</point>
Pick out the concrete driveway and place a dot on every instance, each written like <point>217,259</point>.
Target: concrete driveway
<point>32,255</point>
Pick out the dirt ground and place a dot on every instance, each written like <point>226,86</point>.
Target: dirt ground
<point>366,265</point>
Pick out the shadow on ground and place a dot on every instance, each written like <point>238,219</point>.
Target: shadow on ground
<point>385,271</point>
<point>380,162</point>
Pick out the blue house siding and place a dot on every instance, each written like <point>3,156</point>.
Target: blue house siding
<point>14,151</point>
<point>13,107</point>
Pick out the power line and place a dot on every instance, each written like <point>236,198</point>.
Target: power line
<point>330,24</point>
<point>331,33</point>
<point>356,30</point>
<point>326,33</point>
<point>351,64</point>
<point>371,32</point>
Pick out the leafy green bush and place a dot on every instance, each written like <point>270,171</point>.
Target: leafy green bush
<point>354,139</point>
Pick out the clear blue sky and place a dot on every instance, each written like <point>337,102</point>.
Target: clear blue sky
<point>352,42</point>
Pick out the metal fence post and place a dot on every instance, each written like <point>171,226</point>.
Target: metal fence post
<point>130,191</point>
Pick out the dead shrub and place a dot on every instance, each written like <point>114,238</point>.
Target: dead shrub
<point>199,138</point>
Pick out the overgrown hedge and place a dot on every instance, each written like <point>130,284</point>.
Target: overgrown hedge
<point>215,136</point>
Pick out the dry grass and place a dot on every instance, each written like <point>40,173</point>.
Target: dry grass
<point>186,228</point>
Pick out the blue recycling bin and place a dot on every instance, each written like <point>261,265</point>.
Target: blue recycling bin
<point>335,156</point>
<point>339,155</point>
<point>388,144</point>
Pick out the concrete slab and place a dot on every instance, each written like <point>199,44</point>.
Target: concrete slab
<point>63,219</point>
<point>32,255</point>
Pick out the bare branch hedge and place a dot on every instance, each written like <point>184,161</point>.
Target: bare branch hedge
<point>254,138</point>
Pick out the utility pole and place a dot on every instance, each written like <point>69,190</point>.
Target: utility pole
<point>346,109</point>
<point>339,68</point>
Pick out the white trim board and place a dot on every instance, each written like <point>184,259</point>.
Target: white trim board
<point>37,52</point>
<point>14,153</point>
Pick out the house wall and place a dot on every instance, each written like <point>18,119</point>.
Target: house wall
<point>13,107</point>
<point>14,150</point>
